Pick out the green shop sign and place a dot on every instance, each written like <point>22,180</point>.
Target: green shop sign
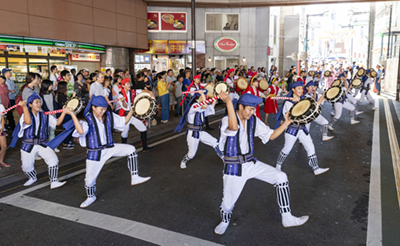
<point>17,40</point>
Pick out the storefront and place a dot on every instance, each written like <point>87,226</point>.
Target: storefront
<point>167,54</point>
<point>24,54</point>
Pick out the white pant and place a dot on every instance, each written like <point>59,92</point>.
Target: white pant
<point>193,143</point>
<point>356,92</point>
<point>233,95</point>
<point>47,154</point>
<point>93,168</point>
<point>320,120</point>
<point>233,185</point>
<point>339,106</point>
<point>138,124</point>
<point>351,99</point>
<point>368,96</point>
<point>306,141</point>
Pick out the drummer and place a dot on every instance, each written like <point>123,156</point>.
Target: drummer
<point>238,130</point>
<point>124,107</point>
<point>195,116</point>
<point>196,86</point>
<point>294,132</point>
<point>95,132</point>
<point>271,105</point>
<point>231,82</point>
<point>320,120</point>
<point>256,91</point>
<point>346,84</point>
<point>367,81</point>
<point>338,106</point>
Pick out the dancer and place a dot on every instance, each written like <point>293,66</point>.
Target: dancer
<point>230,81</point>
<point>33,127</point>
<point>294,132</point>
<point>338,106</point>
<point>237,132</point>
<point>256,91</point>
<point>367,81</point>
<point>194,116</point>
<point>311,92</point>
<point>128,95</point>
<point>271,105</point>
<point>95,132</point>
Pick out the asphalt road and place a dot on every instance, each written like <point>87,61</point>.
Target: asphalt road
<point>187,201</point>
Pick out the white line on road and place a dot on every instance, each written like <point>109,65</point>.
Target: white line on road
<point>106,222</point>
<point>374,231</point>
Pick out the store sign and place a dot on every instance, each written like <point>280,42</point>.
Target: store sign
<point>89,57</point>
<point>200,47</point>
<point>166,22</point>
<point>160,46</point>
<point>226,44</point>
<point>65,44</point>
<point>177,47</point>
<point>28,48</point>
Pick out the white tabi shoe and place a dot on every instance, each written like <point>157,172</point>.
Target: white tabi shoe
<point>359,112</point>
<point>320,171</point>
<point>136,179</point>
<point>326,138</point>
<point>278,167</point>
<point>332,113</point>
<point>354,122</point>
<point>88,201</point>
<point>374,108</point>
<point>183,165</point>
<point>288,220</point>
<point>57,184</point>
<point>29,182</point>
<point>221,228</point>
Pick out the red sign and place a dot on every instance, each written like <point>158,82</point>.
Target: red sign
<point>160,46</point>
<point>226,44</point>
<point>177,47</point>
<point>90,57</point>
<point>153,21</point>
<point>173,21</point>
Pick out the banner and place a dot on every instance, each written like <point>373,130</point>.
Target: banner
<point>177,47</point>
<point>160,46</point>
<point>346,34</point>
<point>89,57</point>
<point>166,22</point>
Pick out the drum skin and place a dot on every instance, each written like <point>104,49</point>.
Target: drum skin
<point>145,107</point>
<point>263,84</point>
<point>221,86</point>
<point>242,83</point>
<point>361,72</point>
<point>75,104</point>
<point>304,111</point>
<point>210,89</point>
<point>327,73</point>
<point>337,82</point>
<point>356,83</point>
<point>334,94</point>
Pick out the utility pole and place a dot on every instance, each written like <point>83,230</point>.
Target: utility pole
<point>193,38</point>
<point>398,80</point>
<point>390,30</point>
<point>306,42</point>
<point>371,33</point>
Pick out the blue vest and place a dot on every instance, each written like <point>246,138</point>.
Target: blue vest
<point>93,142</point>
<point>197,126</point>
<point>30,139</point>
<point>233,154</point>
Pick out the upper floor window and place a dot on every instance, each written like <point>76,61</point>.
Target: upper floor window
<point>218,22</point>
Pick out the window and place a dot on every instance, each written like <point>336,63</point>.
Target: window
<point>216,22</point>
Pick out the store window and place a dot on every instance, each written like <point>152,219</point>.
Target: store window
<point>18,66</point>
<point>222,22</point>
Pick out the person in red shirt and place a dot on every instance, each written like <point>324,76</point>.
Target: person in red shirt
<point>254,90</point>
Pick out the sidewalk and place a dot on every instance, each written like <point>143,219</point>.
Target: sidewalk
<point>78,154</point>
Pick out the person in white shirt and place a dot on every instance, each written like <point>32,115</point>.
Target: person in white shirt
<point>238,130</point>
<point>53,76</point>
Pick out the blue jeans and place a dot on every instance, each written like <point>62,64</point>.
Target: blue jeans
<point>165,107</point>
<point>178,105</point>
<point>187,100</point>
<point>378,85</point>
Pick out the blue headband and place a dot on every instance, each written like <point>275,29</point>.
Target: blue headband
<point>369,71</point>
<point>32,98</point>
<point>98,101</point>
<point>310,83</point>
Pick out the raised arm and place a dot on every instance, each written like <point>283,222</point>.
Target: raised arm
<point>27,117</point>
<point>281,128</point>
<point>232,120</point>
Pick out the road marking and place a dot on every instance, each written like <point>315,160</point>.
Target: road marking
<point>394,147</point>
<point>374,231</point>
<point>107,222</point>
<point>115,224</point>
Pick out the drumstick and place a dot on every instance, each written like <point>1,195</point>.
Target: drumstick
<point>282,98</point>
<point>10,108</point>
<point>188,92</point>
<point>60,110</point>
<point>206,101</point>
